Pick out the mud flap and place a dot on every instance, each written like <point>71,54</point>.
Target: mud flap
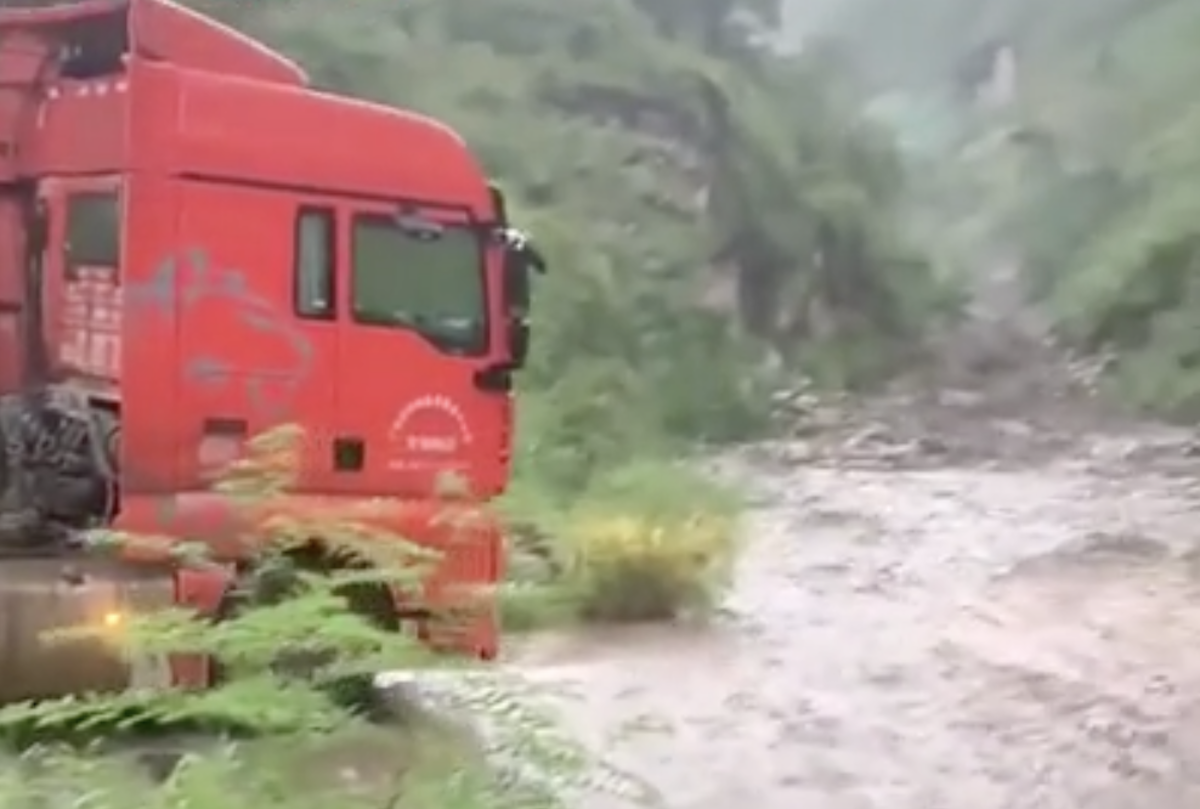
<point>203,591</point>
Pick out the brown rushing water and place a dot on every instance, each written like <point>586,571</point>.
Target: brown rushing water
<point>914,639</point>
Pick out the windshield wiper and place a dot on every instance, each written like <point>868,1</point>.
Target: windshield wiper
<point>411,223</point>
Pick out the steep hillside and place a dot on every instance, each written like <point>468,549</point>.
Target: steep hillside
<point>1085,161</point>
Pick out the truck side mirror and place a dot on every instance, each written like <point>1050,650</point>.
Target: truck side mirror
<point>518,341</point>
<point>518,296</point>
<point>518,292</point>
<point>521,261</point>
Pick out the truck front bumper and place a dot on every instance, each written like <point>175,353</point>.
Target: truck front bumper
<point>42,597</point>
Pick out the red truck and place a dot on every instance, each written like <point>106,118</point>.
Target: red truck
<point>195,247</point>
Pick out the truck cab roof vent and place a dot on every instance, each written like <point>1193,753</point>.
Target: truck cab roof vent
<point>95,49</point>
<point>91,37</point>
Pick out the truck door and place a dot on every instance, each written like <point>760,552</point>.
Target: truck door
<point>414,337</point>
<point>253,271</point>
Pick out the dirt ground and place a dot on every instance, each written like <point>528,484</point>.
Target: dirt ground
<point>978,595</point>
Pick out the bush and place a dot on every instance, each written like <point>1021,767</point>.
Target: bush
<point>637,569</point>
<point>648,540</point>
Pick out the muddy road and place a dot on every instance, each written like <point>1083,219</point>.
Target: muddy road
<point>957,634</point>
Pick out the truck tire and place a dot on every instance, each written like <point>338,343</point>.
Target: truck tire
<point>357,694</point>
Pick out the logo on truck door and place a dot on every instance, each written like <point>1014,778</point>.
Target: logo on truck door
<point>201,288</point>
<point>429,432</point>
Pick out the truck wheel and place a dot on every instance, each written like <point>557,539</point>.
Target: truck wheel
<point>357,694</point>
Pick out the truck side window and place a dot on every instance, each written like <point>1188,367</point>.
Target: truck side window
<point>93,230</point>
<point>314,264</point>
<point>432,283</point>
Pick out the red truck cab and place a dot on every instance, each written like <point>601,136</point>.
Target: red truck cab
<point>199,246</point>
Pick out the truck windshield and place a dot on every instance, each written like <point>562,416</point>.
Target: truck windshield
<point>432,284</point>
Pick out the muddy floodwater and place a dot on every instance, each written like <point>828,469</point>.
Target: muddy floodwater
<point>952,636</point>
<point>980,590</point>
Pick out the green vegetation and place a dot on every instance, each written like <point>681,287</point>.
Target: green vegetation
<point>1089,170</point>
<point>285,727</point>
<point>646,540</point>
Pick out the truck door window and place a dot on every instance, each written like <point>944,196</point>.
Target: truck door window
<point>313,263</point>
<point>93,229</point>
<point>431,283</point>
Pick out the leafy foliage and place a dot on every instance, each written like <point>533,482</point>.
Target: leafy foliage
<point>287,717</point>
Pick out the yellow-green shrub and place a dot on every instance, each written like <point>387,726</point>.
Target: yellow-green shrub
<point>637,568</point>
<point>648,540</point>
